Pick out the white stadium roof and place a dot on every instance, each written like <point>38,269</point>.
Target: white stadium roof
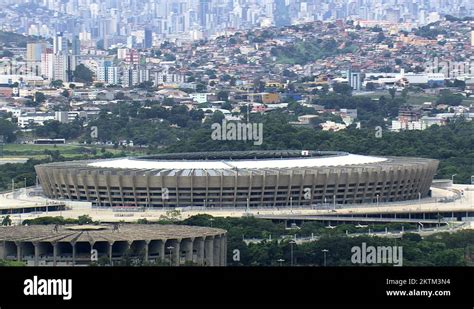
<point>341,160</point>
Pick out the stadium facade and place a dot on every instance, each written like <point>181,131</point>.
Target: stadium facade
<point>49,245</point>
<point>239,179</point>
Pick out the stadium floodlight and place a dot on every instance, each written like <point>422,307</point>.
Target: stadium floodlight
<point>280,261</point>
<point>170,248</point>
<point>291,248</point>
<point>325,251</point>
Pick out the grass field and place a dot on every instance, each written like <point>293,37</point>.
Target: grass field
<point>413,98</point>
<point>417,98</point>
<point>420,98</point>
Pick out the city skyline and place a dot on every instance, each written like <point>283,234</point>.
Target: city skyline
<point>133,22</point>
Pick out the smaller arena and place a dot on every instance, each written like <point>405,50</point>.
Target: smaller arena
<point>73,245</point>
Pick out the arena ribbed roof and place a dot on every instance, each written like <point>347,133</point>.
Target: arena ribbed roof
<point>225,163</point>
<point>125,232</point>
<point>336,160</point>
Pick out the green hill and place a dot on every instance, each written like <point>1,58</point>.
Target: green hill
<point>12,39</point>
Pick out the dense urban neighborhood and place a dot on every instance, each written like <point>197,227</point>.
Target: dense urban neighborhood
<point>318,84</point>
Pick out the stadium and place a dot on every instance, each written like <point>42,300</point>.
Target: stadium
<point>49,245</point>
<point>239,179</point>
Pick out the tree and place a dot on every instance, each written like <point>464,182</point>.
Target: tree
<point>169,102</point>
<point>54,155</point>
<point>259,85</point>
<point>225,78</point>
<point>39,97</point>
<point>344,89</point>
<point>7,53</point>
<point>217,117</point>
<point>57,83</point>
<point>412,237</point>
<point>148,85</point>
<point>84,219</point>
<point>223,95</point>
<point>143,221</point>
<point>120,95</point>
<point>169,57</point>
<point>392,92</point>
<point>56,129</point>
<point>380,37</point>
<point>452,257</point>
<point>103,261</point>
<point>449,98</point>
<point>7,130</point>
<point>370,86</point>
<point>82,74</point>
<point>201,87</point>
<point>11,263</point>
<point>241,60</point>
<point>227,106</point>
<point>460,84</point>
<point>6,220</point>
<point>405,93</point>
<point>100,44</point>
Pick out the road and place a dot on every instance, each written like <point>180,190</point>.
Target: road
<point>465,203</point>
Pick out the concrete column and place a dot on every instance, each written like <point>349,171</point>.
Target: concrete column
<point>55,253</point>
<point>209,243</point>
<point>162,250</point>
<point>3,249</point>
<point>36,245</point>
<point>223,250</point>
<point>110,252</point>
<point>18,251</point>
<point>147,243</point>
<point>73,254</point>
<point>226,250</point>
<point>188,246</point>
<point>199,243</point>
<point>129,245</point>
<point>91,243</point>
<point>217,251</point>
<point>177,252</point>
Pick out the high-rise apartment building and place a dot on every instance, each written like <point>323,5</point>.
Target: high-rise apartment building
<point>60,43</point>
<point>76,46</point>
<point>34,51</point>
<point>148,40</point>
<point>47,62</point>
<point>107,73</point>
<point>355,80</point>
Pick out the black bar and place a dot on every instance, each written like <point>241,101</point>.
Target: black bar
<point>241,285</point>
